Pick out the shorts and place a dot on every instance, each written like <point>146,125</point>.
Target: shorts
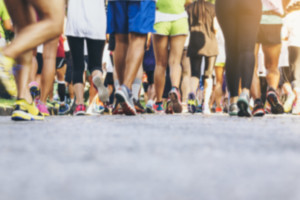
<point>172,28</point>
<point>130,17</point>
<point>220,64</point>
<point>269,34</point>
<point>60,62</point>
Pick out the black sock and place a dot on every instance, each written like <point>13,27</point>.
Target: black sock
<point>61,91</point>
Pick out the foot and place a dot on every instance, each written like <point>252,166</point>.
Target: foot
<point>258,109</point>
<point>138,106</point>
<point>63,109</point>
<point>175,101</point>
<point>43,108</point>
<point>102,90</point>
<point>233,109</point>
<point>276,106</point>
<point>192,103</point>
<point>243,105</point>
<point>23,111</point>
<point>158,107</point>
<point>7,83</point>
<point>288,104</point>
<point>124,97</point>
<point>80,110</point>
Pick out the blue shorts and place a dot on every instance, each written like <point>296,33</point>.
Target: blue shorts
<point>130,16</point>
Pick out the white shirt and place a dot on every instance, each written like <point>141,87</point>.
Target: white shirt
<point>291,22</point>
<point>275,5</point>
<point>86,18</point>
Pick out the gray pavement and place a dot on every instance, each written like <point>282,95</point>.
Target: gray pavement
<point>150,157</point>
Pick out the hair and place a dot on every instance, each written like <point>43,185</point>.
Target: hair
<point>199,11</point>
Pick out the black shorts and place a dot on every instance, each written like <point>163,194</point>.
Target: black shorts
<point>109,79</point>
<point>60,62</point>
<point>269,34</point>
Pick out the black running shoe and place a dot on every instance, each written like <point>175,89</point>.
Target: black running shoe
<point>276,106</point>
<point>258,109</point>
<point>138,106</point>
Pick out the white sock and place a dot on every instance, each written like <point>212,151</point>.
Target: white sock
<point>208,84</point>
<point>116,84</point>
<point>136,86</point>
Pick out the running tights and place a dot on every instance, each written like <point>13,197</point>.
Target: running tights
<point>239,20</point>
<point>196,63</point>
<point>95,51</point>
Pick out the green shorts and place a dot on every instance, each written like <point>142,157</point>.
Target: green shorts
<point>172,28</point>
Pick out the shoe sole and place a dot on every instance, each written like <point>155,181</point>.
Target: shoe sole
<point>243,109</point>
<point>276,107</point>
<point>80,113</point>
<point>127,109</point>
<point>176,106</point>
<point>102,90</point>
<point>150,111</point>
<point>259,113</point>
<point>23,116</point>
<point>169,108</point>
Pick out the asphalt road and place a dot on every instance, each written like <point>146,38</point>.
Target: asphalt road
<point>150,157</point>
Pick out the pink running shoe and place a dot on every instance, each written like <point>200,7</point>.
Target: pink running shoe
<point>42,108</point>
<point>80,110</point>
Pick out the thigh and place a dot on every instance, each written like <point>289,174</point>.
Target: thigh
<point>248,25</point>
<point>160,45</point>
<point>271,53</point>
<point>17,10</point>
<point>95,50</point>
<point>176,48</point>
<point>53,9</point>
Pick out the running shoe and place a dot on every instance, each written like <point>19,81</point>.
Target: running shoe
<point>138,106</point>
<point>34,89</point>
<point>117,110</point>
<point>175,102</point>
<point>42,108</point>
<point>192,103</point>
<point>258,109</point>
<point>63,109</point>
<point>158,107</point>
<point>80,110</point>
<point>102,90</point>
<point>233,109</point>
<point>206,109</point>
<point>7,82</point>
<point>243,105</point>
<point>149,107</point>
<point>124,97</point>
<point>296,106</point>
<point>276,106</point>
<point>23,111</point>
<point>219,110</point>
<point>288,104</point>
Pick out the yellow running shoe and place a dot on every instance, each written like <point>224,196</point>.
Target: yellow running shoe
<point>23,111</point>
<point>7,82</point>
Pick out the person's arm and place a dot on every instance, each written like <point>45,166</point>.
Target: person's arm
<point>8,25</point>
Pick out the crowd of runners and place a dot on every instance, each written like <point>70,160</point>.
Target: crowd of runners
<point>80,57</point>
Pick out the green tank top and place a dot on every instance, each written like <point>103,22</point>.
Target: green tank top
<point>170,6</point>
